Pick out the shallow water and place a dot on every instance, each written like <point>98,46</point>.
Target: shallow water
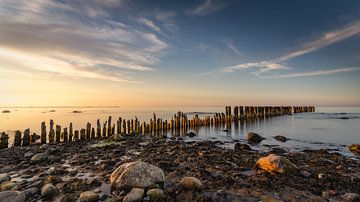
<point>332,128</point>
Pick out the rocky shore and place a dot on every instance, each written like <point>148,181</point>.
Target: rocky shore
<point>148,169</point>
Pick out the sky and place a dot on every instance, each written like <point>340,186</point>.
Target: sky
<point>179,53</point>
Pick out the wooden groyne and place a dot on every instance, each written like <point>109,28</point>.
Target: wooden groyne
<point>179,122</point>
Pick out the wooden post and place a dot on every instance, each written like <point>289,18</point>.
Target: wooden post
<point>57,133</point>
<point>98,129</point>
<point>128,126</point>
<point>66,135</point>
<point>76,136</point>
<point>109,126</point>
<point>93,133</point>
<point>104,130</point>
<point>82,134</point>
<point>124,126</point>
<point>71,133</point>
<point>26,138</point>
<point>88,131</point>
<point>33,138</point>
<point>51,132</point>
<point>17,138</point>
<point>4,140</point>
<point>43,133</point>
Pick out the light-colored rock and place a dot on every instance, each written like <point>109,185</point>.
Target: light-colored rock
<point>28,154</point>
<point>355,148</point>
<point>12,196</point>
<point>48,191</point>
<point>39,157</point>
<point>4,177</point>
<point>136,194</point>
<point>351,197</point>
<point>275,164</point>
<point>156,194</point>
<point>191,183</point>
<point>8,185</point>
<point>136,174</point>
<point>254,137</point>
<point>89,196</point>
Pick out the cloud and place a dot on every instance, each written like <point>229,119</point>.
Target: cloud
<point>149,23</point>
<point>326,39</point>
<point>206,8</point>
<point>75,43</point>
<point>315,73</point>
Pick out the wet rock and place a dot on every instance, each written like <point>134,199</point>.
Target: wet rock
<point>136,194</point>
<point>12,196</point>
<point>351,197</point>
<point>355,148</point>
<point>325,194</point>
<point>191,183</point>
<point>4,177</point>
<point>321,176</point>
<point>48,191</point>
<point>156,194</point>
<point>254,137</point>
<point>28,154</point>
<point>305,173</point>
<point>39,157</point>
<point>6,111</point>
<point>191,134</point>
<point>280,138</point>
<point>89,196</point>
<point>242,147</point>
<point>136,174</point>
<point>275,164</point>
<point>72,171</point>
<point>32,191</point>
<point>68,198</point>
<point>8,185</point>
<point>117,137</point>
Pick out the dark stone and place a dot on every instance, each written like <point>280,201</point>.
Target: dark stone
<point>254,137</point>
<point>280,138</point>
<point>242,147</point>
<point>191,134</point>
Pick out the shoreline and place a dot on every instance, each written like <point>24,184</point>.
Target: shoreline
<point>226,174</point>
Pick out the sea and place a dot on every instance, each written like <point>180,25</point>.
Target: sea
<point>332,128</point>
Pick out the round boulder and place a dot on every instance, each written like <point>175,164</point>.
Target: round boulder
<point>275,164</point>
<point>4,177</point>
<point>254,137</point>
<point>191,183</point>
<point>48,191</point>
<point>8,185</point>
<point>136,194</point>
<point>89,196</point>
<point>136,174</point>
<point>39,157</point>
<point>280,138</point>
<point>156,194</point>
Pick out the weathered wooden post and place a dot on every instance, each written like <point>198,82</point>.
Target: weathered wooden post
<point>17,138</point>
<point>57,133</point>
<point>109,126</point>
<point>93,133</point>
<point>33,138</point>
<point>124,126</point>
<point>88,130</point>
<point>66,135</point>
<point>104,130</point>
<point>43,133</point>
<point>51,132</point>
<point>26,138</point>
<point>4,140</point>
<point>128,126</point>
<point>98,129</point>
<point>82,134</point>
<point>76,136</point>
<point>71,133</point>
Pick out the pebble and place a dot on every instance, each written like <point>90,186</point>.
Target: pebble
<point>191,183</point>
<point>4,177</point>
<point>48,191</point>
<point>156,194</point>
<point>8,185</point>
<point>136,194</point>
<point>89,196</point>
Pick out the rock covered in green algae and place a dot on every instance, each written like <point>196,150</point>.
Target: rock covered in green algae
<point>136,174</point>
<point>254,137</point>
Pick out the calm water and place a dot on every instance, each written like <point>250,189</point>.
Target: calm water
<point>332,128</point>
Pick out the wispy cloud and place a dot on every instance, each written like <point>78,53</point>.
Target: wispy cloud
<point>207,7</point>
<point>149,23</point>
<point>315,73</point>
<point>83,43</point>
<point>326,39</point>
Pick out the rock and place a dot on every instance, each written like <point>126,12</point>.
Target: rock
<point>76,112</point>
<point>321,176</point>
<point>325,194</point>
<point>68,198</point>
<point>275,164</point>
<point>72,171</point>
<point>136,194</point>
<point>8,185</point>
<point>136,174</point>
<point>117,137</point>
<point>242,147</point>
<point>351,197</point>
<point>191,134</point>
<point>28,154</point>
<point>4,177</point>
<point>305,173</point>
<point>32,190</point>
<point>355,148</point>
<point>89,196</point>
<point>6,111</point>
<point>12,196</point>
<point>48,191</point>
<point>39,157</point>
<point>254,137</point>
<point>191,183</point>
<point>280,138</point>
<point>156,194</point>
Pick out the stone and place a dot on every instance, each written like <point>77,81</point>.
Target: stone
<point>325,194</point>
<point>136,194</point>
<point>351,197</point>
<point>28,154</point>
<point>280,138</point>
<point>156,194</point>
<point>355,148</point>
<point>321,176</point>
<point>48,191</point>
<point>136,174</point>
<point>4,177</point>
<point>117,137</point>
<point>275,164</point>
<point>68,198</point>
<point>254,137</point>
<point>305,173</point>
<point>89,196</point>
<point>191,134</point>
<point>242,147</point>
<point>12,196</point>
<point>39,157</point>
<point>191,183</point>
<point>7,185</point>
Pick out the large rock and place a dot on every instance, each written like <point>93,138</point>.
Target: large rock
<point>136,194</point>
<point>254,137</point>
<point>39,157</point>
<point>8,185</point>
<point>351,197</point>
<point>12,196</point>
<point>48,191</point>
<point>89,196</point>
<point>191,183</point>
<point>156,194</point>
<point>355,148</point>
<point>136,174</point>
<point>275,164</point>
<point>4,177</point>
<point>280,138</point>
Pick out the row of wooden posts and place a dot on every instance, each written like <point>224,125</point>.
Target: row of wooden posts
<point>180,121</point>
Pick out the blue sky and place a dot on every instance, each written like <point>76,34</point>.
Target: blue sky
<point>203,52</point>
